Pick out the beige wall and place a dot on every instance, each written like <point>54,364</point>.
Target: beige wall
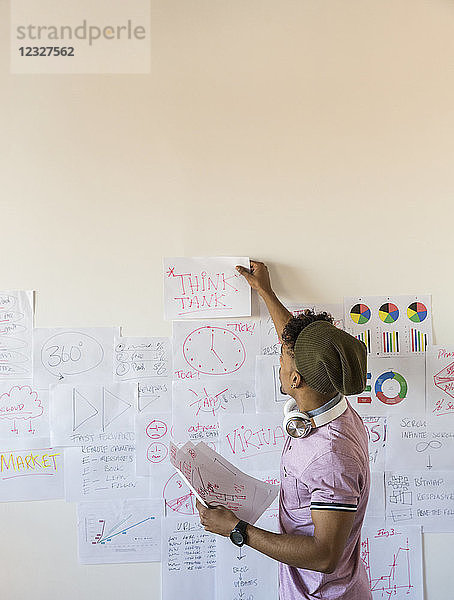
<point>316,135</point>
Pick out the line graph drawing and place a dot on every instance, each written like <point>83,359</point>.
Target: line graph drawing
<point>392,560</point>
<point>122,531</point>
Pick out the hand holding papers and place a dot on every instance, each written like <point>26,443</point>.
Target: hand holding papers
<point>214,480</point>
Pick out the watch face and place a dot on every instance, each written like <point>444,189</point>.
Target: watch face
<point>214,351</point>
<point>237,537</point>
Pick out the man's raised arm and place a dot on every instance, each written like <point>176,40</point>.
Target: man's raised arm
<point>259,280</point>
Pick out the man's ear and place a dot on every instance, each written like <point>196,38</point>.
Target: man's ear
<point>296,379</point>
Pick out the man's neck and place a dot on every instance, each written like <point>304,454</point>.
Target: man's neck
<point>308,399</point>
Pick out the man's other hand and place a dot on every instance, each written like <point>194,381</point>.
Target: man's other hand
<point>217,519</point>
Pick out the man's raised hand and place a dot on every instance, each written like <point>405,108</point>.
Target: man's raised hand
<point>257,276</point>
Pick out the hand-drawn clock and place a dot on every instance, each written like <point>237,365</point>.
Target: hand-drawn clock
<point>214,350</point>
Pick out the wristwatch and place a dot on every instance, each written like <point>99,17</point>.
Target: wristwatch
<point>238,534</point>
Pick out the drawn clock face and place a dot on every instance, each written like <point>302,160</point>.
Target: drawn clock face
<point>214,351</point>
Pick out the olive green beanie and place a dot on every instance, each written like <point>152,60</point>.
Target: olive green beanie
<point>330,359</point>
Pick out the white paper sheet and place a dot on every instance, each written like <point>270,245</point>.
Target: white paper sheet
<point>376,432</point>
<point>269,520</point>
<point>269,341</point>
<point>268,385</point>
<point>16,329</point>
<point>179,500</point>
<point>31,475</point>
<point>252,442</point>
<point>420,498</point>
<point>24,416</point>
<point>440,381</point>
<point>138,358</point>
<point>222,349</point>
<point>121,531</point>
<point>395,385</point>
<point>73,355</point>
<point>420,442</point>
<point>153,439</point>
<point>207,287</point>
<point>390,325</point>
<point>78,413</point>
<point>155,395</point>
<point>188,559</point>
<point>197,406</point>
<point>392,557</point>
<point>376,504</point>
<point>104,469</point>
<point>216,481</point>
<point>242,572</point>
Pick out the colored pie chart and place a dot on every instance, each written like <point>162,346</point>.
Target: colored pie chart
<point>391,388</point>
<point>417,312</point>
<point>389,313</point>
<point>360,314</point>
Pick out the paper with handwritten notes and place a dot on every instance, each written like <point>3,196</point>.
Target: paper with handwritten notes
<point>208,287</point>
<point>216,481</point>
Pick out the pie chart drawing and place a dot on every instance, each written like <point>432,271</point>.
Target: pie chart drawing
<point>388,312</point>
<point>417,312</point>
<point>395,385</point>
<point>360,314</point>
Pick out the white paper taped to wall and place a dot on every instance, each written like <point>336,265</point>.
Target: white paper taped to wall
<point>419,442</point>
<point>269,341</point>
<point>138,358</point>
<point>65,355</point>
<point>268,385</point>
<point>376,432</point>
<point>420,498</point>
<point>119,531</point>
<point>104,469</point>
<point>440,381</point>
<point>16,330</point>
<point>152,446</point>
<point>188,559</point>
<point>252,442</point>
<point>198,405</point>
<point>80,411</point>
<point>24,416</point>
<point>31,475</point>
<point>221,349</point>
<point>390,325</point>
<point>395,385</point>
<point>392,557</point>
<point>208,287</point>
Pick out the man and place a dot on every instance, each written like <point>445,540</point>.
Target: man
<point>325,465</point>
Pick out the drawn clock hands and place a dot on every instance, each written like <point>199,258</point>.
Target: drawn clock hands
<point>213,350</point>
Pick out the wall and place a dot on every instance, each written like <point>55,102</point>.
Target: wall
<point>314,135</point>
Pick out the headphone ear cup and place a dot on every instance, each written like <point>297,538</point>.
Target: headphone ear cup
<point>289,406</point>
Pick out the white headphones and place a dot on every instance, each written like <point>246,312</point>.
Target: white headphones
<point>298,424</point>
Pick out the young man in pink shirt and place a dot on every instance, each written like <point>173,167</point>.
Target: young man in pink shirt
<point>325,476</point>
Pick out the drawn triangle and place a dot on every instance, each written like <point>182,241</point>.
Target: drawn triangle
<point>113,407</point>
<point>145,401</point>
<point>83,409</point>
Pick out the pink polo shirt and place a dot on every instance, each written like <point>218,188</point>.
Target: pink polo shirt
<point>327,470</point>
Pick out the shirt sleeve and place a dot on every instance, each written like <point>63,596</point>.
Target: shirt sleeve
<point>335,482</point>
